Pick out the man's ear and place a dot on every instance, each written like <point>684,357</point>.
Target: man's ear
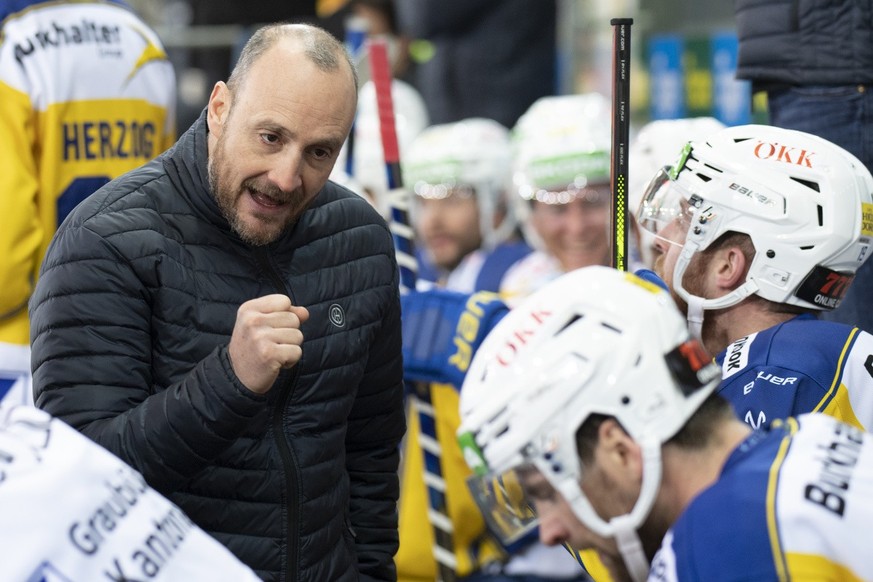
<point>218,108</point>
<point>729,266</point>
<point>620,456</point>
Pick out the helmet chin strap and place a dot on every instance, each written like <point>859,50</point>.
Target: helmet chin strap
<point>625,526</point>
<point>631,549</point>
<point>695,312</point>
<point>696,304</point>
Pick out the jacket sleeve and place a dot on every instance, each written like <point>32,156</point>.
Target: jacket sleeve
<point>21,236</point>
<point>91,359</point>
<point>376,426</point>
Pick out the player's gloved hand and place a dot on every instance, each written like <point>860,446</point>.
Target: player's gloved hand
<point>651,277</point>
<point>442,331</point>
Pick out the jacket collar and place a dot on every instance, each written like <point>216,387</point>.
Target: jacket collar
<point>186,163</point>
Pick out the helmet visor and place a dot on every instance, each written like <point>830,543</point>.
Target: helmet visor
<point>504,504</point>
<point>665,210</point>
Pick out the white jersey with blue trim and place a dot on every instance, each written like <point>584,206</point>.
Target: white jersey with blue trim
<point>74,512</point>
<point>801,365</point>
<point>529,275</point>
<point>793,502</point>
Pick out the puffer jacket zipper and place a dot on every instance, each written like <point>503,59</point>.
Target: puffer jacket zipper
<point>286,454</point>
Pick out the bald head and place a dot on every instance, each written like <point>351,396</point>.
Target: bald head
<point>276,127</point>
<point>319,46</point>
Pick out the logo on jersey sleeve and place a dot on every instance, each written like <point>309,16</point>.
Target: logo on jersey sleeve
<point>736,356</point>
<point>755,423</point>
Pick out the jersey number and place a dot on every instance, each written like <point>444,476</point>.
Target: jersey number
<point>78,190</point>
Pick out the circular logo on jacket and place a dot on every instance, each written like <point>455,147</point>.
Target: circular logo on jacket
<point>337,315</point>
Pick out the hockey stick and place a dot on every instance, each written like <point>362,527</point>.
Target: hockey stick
<point>618,167</point>
<point>400,227</point>
<point>356,37</point>
<point>443,550</point>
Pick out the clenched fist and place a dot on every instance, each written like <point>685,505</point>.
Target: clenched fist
<point>266,338</point>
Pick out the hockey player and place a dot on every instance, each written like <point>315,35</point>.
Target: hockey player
<point>459,173</point>
<point>591,404</point>
<point>758,229</point>
<point>87,93</point>
<point>460,176</point>
<point>561,181</point>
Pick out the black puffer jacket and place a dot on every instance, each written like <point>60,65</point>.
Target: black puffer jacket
<point>805,42</point>
<point>130,324</point>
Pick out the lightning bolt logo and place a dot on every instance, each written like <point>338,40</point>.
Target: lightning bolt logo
<point>150,53</point>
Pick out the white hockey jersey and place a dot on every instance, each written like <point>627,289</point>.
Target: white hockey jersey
<point>73,512</point>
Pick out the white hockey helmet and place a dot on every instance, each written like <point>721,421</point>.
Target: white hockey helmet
<point>561,147</point>
<point>594,341</point>
<point>653,147</point>
<point>804,201</point>
<point>367,166</point>
<point>472,154</point>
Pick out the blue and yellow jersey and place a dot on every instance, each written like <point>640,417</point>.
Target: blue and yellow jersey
<point>792,503</point>
<point>801,365</point>
<point>87,93</point>
<point>473,547</point>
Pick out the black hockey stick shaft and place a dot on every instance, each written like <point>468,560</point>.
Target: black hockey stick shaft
<point>618,167</point>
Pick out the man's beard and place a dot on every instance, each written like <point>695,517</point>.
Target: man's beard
<point>693,280</point>
<point>227,200</point>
